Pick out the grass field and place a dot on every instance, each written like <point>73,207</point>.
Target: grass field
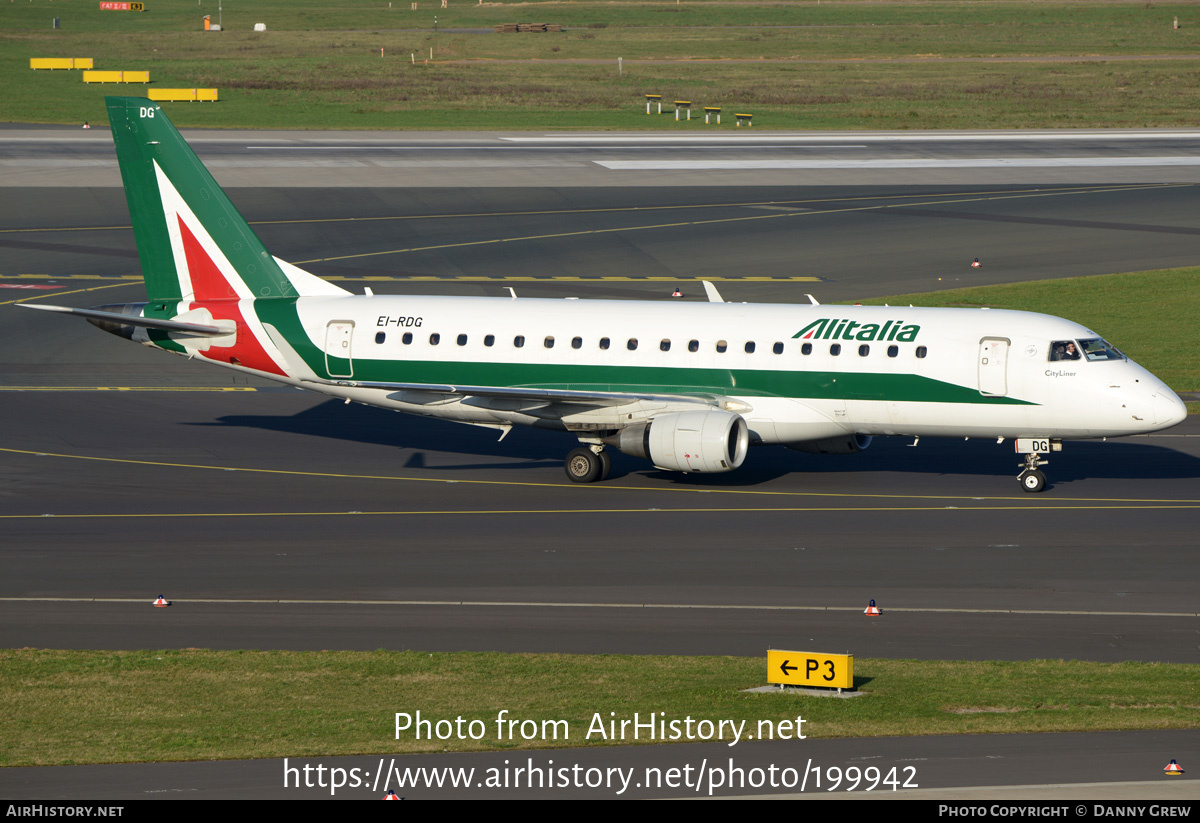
<point>803,65</point>
<point>66,707</point>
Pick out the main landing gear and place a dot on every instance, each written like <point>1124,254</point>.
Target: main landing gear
<point>588,464</point>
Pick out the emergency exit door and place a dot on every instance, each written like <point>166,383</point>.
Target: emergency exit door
<point>338,335</point>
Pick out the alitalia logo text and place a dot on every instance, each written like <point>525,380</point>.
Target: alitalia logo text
<point>835,329</point>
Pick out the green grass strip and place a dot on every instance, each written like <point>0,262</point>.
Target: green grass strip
<point>794,65</point>
<point>1149,315</point>
<point>64,707</point>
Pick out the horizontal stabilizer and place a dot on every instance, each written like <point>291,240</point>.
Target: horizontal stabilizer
<point>130,320</point>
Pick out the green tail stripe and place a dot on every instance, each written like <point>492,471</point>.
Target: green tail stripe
<point>143,134</point>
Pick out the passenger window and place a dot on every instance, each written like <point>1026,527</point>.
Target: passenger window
<point>576,342</point>
<point>489,340</point>
<point>434,339</point>
<point>632,344</point>
<point>806,348</point>
<point>777,348</point>
<point>835,349</point>
<point>519,341</point>
<point>893,351</point>
<point>462,340</point>
<point>407,338</point>
<point>665,345</point>
<point>380,337</point>
<point>922,351</point>
<point>693,345</point>
<point>548,342</point>
<point>604,342</point>
<point>864,350</point>
<point>722,346</point>
<point>749,347</point>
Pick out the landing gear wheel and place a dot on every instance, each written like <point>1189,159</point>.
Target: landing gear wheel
<point>605,465</point>
<point>583,466</point>
<point>1033,481</point>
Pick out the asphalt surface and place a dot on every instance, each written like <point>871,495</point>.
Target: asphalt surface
<point>1084,768</point>
<point>244,504</point>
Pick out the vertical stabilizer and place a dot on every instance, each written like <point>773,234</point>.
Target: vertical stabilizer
<point>193,244</point>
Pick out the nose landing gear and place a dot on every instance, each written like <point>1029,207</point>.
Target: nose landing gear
<point>1031,478</point>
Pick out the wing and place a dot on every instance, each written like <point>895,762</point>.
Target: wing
<point>590,398</point>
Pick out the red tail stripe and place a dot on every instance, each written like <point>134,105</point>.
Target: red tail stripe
<point>208,283</point>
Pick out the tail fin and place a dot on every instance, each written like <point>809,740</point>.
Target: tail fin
<point>193,244</point>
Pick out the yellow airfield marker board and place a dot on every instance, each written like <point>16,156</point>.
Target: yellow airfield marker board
<point>829,671</point>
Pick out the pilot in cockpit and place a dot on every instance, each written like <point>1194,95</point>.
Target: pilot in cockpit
<point>1064,350</point>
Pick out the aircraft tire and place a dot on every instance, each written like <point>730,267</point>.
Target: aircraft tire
<point>583,466</point>
<point>1033,482</point>
<point>605,466</point>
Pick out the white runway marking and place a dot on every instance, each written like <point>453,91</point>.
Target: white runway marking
<point>717,164</point>
<point>1023,136</point>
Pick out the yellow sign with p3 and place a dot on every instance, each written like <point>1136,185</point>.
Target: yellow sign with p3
<point>830,671</point>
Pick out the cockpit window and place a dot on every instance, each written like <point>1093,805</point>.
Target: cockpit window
<point>1064,350</point>
<point>1096,348</point>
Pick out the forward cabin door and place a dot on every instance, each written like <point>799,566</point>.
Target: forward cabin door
<point>993,366</point>
<point>338,335</point>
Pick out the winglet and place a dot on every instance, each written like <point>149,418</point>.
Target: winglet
<point>714,296</point>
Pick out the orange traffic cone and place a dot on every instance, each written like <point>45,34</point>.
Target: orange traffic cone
<point>161,602</point>
<point>1172,768</point>
<point>390,796</point>
<point>677,293</point>
<point>872,610</point>
<point>85,125</point>
<point>976,264</point>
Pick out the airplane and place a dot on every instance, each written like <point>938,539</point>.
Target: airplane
<point>688,386</point>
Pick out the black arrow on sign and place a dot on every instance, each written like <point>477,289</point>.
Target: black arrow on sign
<point>785,668</point>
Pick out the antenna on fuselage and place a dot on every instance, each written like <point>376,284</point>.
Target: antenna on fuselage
<point>812,300</point>
<point>512,291</point>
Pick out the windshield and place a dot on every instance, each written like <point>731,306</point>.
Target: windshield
<point>1096,348</point>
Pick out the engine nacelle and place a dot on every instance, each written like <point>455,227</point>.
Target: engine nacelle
<point>842,444</point>
<point>690,441</point>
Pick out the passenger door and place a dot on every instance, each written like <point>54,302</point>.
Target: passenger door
<point>993,366</point>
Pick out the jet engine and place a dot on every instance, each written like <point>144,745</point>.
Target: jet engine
<point>842,444</point>
<point>689,441</point>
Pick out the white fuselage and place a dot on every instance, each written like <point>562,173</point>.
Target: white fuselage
<point>979,373</point>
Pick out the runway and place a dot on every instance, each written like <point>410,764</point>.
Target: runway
<point>277,519</point>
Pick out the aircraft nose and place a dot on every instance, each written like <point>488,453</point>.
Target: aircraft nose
<point>1169,410</point>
